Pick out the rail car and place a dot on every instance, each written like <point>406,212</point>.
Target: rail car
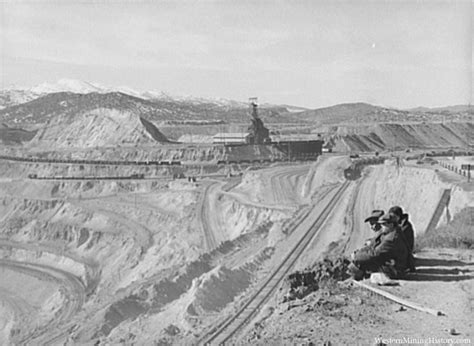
<point>92,162</point>
<point>132,176</point>
<point>354,171</point>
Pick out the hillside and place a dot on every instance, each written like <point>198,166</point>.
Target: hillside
<point>42,109</point>
<point>165,110</point>
<point>356,113</point>
<point>15,96</point>
<point>447,109</point>
<point>9,98</point>
<point>97,127</point>
<point>57,115</point>
<point>353,113</point>
<point>401,136</point>
<point>14,136</point>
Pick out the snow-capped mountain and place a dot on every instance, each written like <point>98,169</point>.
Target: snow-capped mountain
<point>20,95</point>
<point>10,98</point>
<point>67,85</point>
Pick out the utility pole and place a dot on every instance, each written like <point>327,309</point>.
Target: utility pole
<point>289,151</point>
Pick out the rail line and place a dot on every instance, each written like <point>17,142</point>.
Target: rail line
<point>227,329</point>
<point>354,219</point>
<point>92,162</point>
<point>164,162</point>
<point>210,238</point>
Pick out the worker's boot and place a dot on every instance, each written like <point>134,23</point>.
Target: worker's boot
<point>355,272</point>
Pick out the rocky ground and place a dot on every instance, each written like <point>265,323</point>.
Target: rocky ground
<point>162,261</point>
<point>339,312</point>
<point>335,311</point>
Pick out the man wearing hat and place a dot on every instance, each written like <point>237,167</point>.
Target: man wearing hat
<point>407,230</point>
<point>387,253</point>
<point>373,220</point>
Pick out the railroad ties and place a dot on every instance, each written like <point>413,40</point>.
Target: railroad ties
<point>126,177</point>
<point>92,162</point>
<point>232,325</point>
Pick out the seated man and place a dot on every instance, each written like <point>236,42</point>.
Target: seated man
<point>407,231</point>
<point>373,223</point>
<point>387,253</point>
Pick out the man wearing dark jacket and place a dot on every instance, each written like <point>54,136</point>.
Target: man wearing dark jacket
<point>388,253</point>
<point>373,220</point>
<point>408,233</point>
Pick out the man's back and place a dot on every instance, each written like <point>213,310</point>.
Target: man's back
<point>407,230</point>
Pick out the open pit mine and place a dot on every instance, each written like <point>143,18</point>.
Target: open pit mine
<point>123,224</point>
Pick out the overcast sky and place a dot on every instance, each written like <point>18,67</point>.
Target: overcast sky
<point>306,53</point>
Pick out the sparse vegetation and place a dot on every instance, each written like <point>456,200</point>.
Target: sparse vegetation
<point>13,224</point>
<point>459,233</point>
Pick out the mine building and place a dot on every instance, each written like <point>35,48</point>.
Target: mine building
<point>257,145</point>
<point>231,138</point>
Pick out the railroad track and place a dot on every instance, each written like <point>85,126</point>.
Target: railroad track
<point>229,327</point>
<point>92,162</point>
<point>354,217</point>
<point>211,242</point>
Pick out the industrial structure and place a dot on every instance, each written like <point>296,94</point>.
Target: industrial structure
<point>256,144</point>
<point>231,138</point>
<point>259,134</point>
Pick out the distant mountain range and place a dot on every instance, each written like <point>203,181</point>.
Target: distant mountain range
<point>38,105</point>
<point>165,111</point>
<point>14,97</point>
<point>85,115</point>
<point>448,109</point>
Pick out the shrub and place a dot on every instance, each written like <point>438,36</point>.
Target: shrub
<point>458,233</point>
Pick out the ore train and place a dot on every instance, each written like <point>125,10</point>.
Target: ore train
<point>127,177</point>
<point>91,162</point>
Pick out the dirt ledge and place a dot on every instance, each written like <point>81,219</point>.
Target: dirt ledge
<point>340,313</point>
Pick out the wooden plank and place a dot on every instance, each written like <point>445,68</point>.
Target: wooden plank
<point>398,299</point>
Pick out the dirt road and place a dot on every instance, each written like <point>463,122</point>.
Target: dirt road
<point>209,218</point>
<point>141,234</point>
<point>72,288</point>
<point>91,270</point>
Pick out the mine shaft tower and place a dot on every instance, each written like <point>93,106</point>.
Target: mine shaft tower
<point>259,134</point>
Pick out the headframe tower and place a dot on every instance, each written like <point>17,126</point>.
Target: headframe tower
<point>259,134</point>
